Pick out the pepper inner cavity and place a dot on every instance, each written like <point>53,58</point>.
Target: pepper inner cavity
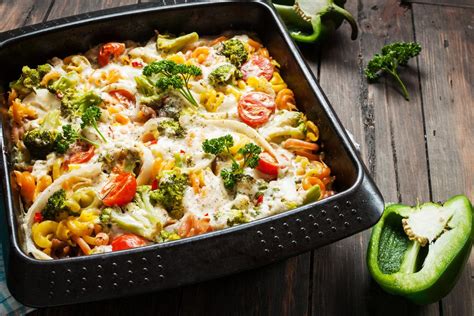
<point>403,239</point>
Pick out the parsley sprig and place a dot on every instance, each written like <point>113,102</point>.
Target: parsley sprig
<point>392,56</point>
<point>167,74</point>
<point>221,147</point>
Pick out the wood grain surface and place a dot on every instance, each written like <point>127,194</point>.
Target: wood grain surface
<point>416,151</point>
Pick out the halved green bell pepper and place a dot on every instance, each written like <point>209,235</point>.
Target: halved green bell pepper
<point>419,252</point>
<point>309,21</point>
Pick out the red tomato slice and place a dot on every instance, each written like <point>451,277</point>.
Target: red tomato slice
<point>120,189</point>
<point>267,164</point>
<point>127,241</point>
<point>255,108</point>
<point>123,96</point>
<point>109,51</point>
<point>257,66</point>
<point>82,156</point>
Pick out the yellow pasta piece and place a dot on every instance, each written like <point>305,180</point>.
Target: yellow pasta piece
<point>62,232</point>
<point>43,233</point>
<point>43,182</point>
<point>52,75</point>
<point>177,58</point>
<point>211,100</point>
<point>57,171</point>
<point>241,84</point>
<point>260,84</point>
<point>312,131</point>
<point>277,82</point>
<point>79,228</point>
<point>285,100</point>
<point>231,90</point>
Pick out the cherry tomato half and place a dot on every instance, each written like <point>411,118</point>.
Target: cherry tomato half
<point>257,66</point>
<point>125,97</point>
<point>267,164</point>
<point>255,108</point>
<point>109,51</point>
<point>120,189</point>
<point>127,241</point>
<point>82,156</point>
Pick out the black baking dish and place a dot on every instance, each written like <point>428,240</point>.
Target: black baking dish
<point>357,206</point>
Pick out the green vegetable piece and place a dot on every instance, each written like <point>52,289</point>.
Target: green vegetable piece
<point>221,146</point>
<point>29,79</point>
<point>65,84</point>
<point>217,146</point>
<point>235,52</point>
<point>171,192</point>
<point>392,56</point>
<point>400,260</point>
<point>313,194</point>
<point>169,44</point>
<point>169,236</point>
<point>238,217</point>
<point>171,127</point>
<point>55,206</point>
<point>312,20</point>
<point>168,75</point>
<point>75,104</point>
<point>90,116</point>
<point>40,142</point>
<point>224,74</point>
<point>145,86</point>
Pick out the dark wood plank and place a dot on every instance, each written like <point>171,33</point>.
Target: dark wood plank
<point>390,131</point>
<point>447,76</point>
<point>20,13</point>
<point>278,289</point>
<point>455,3</point>
<point>67,8</point>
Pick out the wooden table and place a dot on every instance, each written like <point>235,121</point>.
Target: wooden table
<point>417,150</point>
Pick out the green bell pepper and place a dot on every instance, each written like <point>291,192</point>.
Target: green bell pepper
<point>419,252</point>
<point>311,20</point>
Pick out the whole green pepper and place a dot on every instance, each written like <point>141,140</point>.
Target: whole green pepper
<point>311,20</point>
<point>419,252</point>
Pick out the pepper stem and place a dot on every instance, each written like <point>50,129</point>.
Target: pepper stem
<point>409,260</point>
<point>348,17</point>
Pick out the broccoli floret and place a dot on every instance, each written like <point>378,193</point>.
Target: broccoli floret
<point>238,217</point>
<point>75,104</point>
<point>223,75</point>
<point>55,206</point>
<point>40,142</point>
<point>29,79</point>
<point>235,51</point>
<point>171,192</point>
<point>139,217</point>
<point>145,86</point>
<point>168,44</point>
<point>171,127</point>
<point>64,85</point>
<point>105,216</point>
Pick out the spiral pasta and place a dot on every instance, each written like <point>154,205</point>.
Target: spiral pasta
<point>285,100</point>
